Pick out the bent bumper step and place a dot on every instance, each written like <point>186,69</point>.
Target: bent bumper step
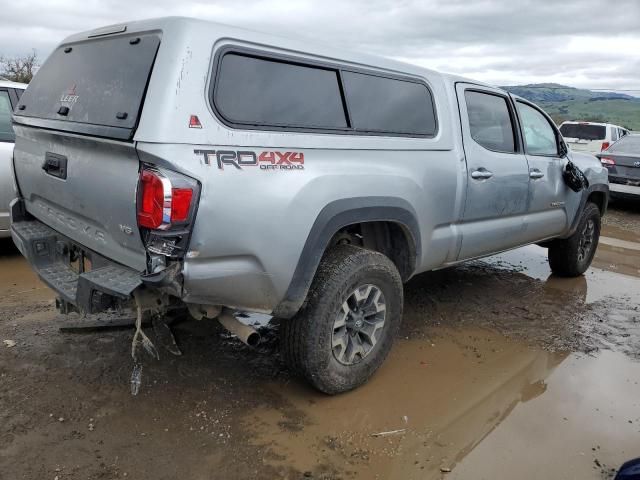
<point>48,253</point>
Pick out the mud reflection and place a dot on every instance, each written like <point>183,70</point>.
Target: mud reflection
<point>18,282</point>
<point>443,397</point>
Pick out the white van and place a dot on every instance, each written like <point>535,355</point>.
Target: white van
<point>591,136</point>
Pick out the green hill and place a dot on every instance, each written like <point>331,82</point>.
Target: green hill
<point>568,103</point>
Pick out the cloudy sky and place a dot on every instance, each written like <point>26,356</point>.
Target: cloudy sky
<point>582,43</point>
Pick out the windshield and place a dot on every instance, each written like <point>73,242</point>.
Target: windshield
<point>98,82</point>
<point>628,144</point>
<point>583,131</point>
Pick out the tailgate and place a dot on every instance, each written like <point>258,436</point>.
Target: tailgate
<point>75,163</point>
<point>89,197</point>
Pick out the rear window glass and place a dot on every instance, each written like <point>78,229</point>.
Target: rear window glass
<point>583,131</point>
<point>490,121</point>
<point>380,104</point>
<point>6,130</point>
<point>100,81</point>
<point>627,144</point>
<point>255,91</point>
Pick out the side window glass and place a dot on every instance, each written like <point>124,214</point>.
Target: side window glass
<point>257,91</point>
<point>490,121</point>
<point>6,129</point>
<point>380,104</point>
<point>539,135</point>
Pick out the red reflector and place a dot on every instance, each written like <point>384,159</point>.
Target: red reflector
<point>605,145</point>
<point>607,161</point>
<point>180,204</point>
<point>194,122</point>
<point>151,200</point>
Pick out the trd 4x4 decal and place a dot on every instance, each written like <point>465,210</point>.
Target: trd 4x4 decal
<point>269,160</point>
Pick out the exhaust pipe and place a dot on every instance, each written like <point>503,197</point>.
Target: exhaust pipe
<point>246,334</point>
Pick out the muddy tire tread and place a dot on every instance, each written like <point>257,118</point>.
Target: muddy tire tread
<point>563,253</point>
<point>338,264</point>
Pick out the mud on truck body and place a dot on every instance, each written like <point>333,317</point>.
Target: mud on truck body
<point>177,163</point>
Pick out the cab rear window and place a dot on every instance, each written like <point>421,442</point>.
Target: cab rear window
<point>98,82</point>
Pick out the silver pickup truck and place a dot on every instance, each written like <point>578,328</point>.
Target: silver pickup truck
<point>179,163</point>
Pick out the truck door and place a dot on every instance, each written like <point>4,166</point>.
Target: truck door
<point>547,215</point>
<point>497,172</point>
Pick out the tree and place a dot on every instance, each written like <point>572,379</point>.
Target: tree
<point>19,68</point>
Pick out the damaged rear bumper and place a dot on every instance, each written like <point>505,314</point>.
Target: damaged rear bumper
<point>84,280</point>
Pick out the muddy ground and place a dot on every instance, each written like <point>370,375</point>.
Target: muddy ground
<point>500,371</point>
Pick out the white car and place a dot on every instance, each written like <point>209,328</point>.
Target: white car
<point>9,95</point>
<point>591,136</point>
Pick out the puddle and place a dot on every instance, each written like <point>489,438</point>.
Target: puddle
<point>472,402</point>
<point>441,399</point>
<point>615,271</point>
<point>586,424</point>
<point>18,282</point>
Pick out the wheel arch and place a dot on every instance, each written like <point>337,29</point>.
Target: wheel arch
<point>337,216</point>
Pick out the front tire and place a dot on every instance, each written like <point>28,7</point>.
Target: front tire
<point>572,256</point>
<point>345,330</point>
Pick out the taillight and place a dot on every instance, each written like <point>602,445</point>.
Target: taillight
<point>151,200</point>
<point>607,161</point>
<point>180,204</point>
<point>161,205</point>
<point>605,145</point>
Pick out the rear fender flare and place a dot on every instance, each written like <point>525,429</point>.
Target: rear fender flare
<point>331,219</point>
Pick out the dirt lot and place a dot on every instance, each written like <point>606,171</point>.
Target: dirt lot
<point>500,371</point>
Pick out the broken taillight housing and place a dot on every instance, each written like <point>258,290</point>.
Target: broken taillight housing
<point>166,206</point>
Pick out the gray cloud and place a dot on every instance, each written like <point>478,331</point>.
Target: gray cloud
<point>589,43</point>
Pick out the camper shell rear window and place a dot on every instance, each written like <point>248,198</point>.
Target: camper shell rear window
<point>583,131</point>
<point>254,90</point>
<point>94,87</point>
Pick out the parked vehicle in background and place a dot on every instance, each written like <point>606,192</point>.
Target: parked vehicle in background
<point>9,94</point>
<point>591,136</point>
<point>622,159</point>
<point>235,170</point>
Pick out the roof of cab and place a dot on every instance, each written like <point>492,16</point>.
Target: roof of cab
<point>206,29</point>
<point>10,84</point>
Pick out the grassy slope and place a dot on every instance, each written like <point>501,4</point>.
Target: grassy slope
<point>620,112</point>
<point>567,103</point>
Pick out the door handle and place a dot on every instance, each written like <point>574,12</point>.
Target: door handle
<point>481,174</point>
<point>535,174</point>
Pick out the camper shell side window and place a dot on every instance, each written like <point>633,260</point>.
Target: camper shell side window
<point>264,91</point>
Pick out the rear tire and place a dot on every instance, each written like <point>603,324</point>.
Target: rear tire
<point>572,256</point>
<point>352,313</point>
